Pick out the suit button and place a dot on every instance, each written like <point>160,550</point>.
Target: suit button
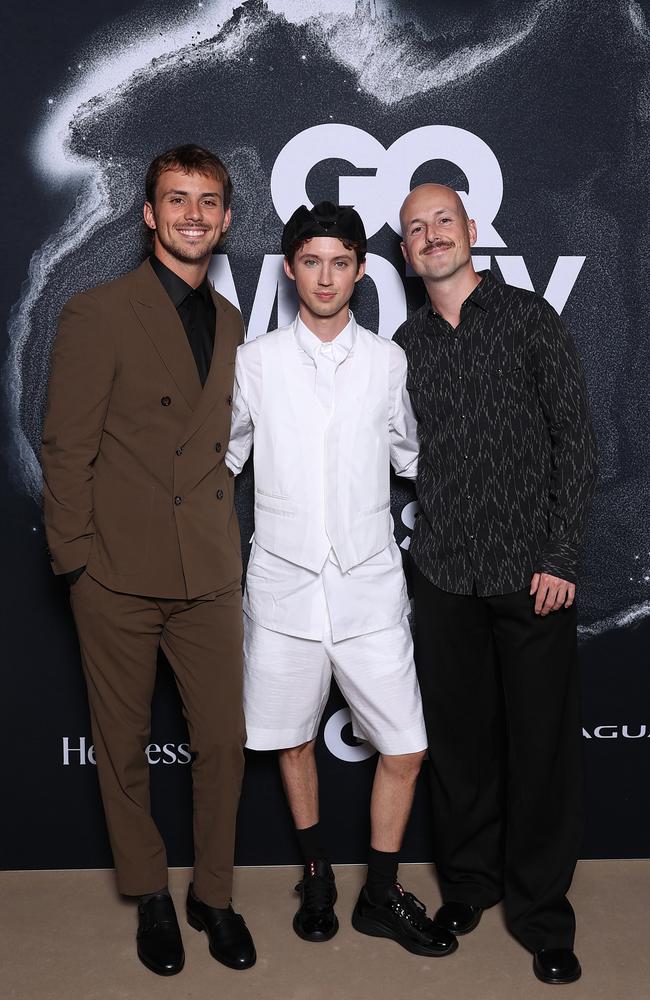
<point>229,401</point>
<point>165,400</point>
<point>219,494</point>
<point>217,446</point>
<point>178,500</point>
<point>179,451</point>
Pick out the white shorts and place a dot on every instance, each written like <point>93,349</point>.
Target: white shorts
<point>287,681</point>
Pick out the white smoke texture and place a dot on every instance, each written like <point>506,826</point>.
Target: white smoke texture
<point>638,19</point>
<point>366,37</point>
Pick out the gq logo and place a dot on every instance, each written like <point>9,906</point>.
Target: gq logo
<point>333,736</point>
<point>378,198</point>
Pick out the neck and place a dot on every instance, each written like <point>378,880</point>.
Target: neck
<point>326,328</point>
<point>448,294</point>
<point>193,272</point>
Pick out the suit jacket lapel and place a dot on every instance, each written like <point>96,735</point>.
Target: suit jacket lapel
<point>219,383</point>
<point>156,312</point>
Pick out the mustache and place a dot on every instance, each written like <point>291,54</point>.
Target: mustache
<point>437,245</point>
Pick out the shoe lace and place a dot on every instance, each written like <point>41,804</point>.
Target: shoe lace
<point>318,891</point>
<point>411,909</point>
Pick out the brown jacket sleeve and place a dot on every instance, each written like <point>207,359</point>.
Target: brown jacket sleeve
<point>81,379</point>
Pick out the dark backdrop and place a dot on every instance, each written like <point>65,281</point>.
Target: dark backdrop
<point>551,99</point>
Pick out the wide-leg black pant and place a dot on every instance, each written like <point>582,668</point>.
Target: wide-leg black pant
<point>501,704</point>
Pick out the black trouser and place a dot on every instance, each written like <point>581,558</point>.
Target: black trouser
<point>501,704</point>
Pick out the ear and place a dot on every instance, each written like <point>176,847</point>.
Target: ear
<point>227,219</point>
<point>288,270</point>
<point>361,271</point>
<point>473,232</point>
<point>405,252</point>
<point>149,217</point>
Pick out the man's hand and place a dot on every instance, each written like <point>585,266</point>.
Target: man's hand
<point>552,593</point>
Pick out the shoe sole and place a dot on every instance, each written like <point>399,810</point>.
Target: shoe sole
<point>199,926</point>
<point>557,982</point>
<point>372,929</point>
<point>317,937</point>
<point>158,971</point>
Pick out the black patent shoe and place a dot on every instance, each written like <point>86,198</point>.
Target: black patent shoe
<point>228,936</point>
<point>316,919</point>
<point>556,965</point>
<point>403,918</point>
<point>160,946</point>
<point>459,918</point>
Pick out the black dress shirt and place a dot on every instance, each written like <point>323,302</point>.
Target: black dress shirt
<point>507,461</point>
<point>196,310</point>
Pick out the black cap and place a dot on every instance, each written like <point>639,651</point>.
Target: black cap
<point>324,219</point>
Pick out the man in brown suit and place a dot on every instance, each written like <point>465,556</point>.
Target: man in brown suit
<point>140,518</point>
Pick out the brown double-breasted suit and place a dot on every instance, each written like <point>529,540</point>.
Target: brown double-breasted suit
<point>137,491</point>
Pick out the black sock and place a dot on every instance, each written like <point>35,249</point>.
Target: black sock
<point>382,873</point>
<point>149,895</point>
<point>309,841</point>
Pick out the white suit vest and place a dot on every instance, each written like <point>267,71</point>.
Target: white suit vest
<point>322,479</point>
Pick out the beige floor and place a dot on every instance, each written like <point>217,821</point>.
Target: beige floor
<point>68,936</point>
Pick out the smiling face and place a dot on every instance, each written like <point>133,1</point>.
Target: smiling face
<point>325,273</point>
<point>437,233</point>
<point>188,217</point>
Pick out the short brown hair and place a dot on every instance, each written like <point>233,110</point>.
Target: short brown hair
<point>191,160</point>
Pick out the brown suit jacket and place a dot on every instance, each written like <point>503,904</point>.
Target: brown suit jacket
<point>136,487</point>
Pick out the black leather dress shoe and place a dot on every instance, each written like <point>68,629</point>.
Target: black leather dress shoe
<point>316,919</point>
<point>229,937</point>
<point>556,965</point>
<point>160,946</point>
<point>459,918</point>
<point>403,918</point>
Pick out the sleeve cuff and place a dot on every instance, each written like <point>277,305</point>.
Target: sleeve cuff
<point>559,560</point>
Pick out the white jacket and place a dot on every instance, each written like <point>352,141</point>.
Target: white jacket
<point>322,478</point>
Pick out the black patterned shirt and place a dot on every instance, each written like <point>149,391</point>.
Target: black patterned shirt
<point>507,461</point>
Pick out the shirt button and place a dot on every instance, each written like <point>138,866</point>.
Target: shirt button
<point>165,400</point>
<point>179,451</point>
<point>178,500</point>
<point>219,494</point>
<point>468,497</point>
<point>217,446</point>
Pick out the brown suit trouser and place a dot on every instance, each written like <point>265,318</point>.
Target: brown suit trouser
<point>119,636</point>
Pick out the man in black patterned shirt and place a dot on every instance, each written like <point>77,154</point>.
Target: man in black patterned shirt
<point>507,470</point>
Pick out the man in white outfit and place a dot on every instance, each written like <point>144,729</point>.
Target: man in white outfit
<point>325,404</point>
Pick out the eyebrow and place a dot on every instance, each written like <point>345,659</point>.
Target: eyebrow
<point>204,194</point>
<point>340,256</point>
<point>438,211</point>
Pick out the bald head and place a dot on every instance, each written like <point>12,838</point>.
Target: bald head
<point>426,197</point>
<point>438,236</point>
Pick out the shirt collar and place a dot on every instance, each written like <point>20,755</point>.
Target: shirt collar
<point>340,347</point>
<point>176,288</point>
<point>480,296</point>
